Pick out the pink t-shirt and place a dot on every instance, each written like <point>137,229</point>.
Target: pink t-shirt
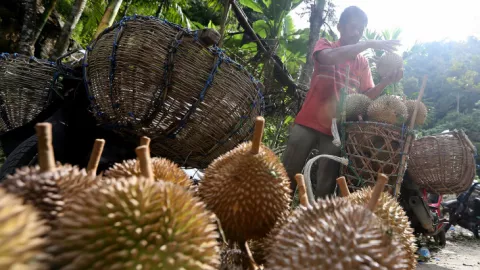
<point>319,107</point>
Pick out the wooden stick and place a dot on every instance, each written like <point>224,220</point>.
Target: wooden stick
<point>302,191</point>
<point>226,11</point>
<point>342,184</point>
<point>257,135</point>
<point>144,140</point>
<point>95,157</point>
<point>419,99</point>
<point>143,155</point>
<point>46,157</point>
<point>377,191</point>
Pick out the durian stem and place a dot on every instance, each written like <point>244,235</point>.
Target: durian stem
<point>252,264</point>
<point>257,135</point>
<point>302,191</point>
<point>377,191</point>
<point>46,158</point>
<point>342,184</point>
<point>143,155</point>
<point>144,140</point>
<point>95,157</point>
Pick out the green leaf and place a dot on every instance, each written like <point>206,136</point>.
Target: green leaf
<point>251,4</point>
<point>261,28</point>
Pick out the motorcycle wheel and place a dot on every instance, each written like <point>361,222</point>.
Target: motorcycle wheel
<point>476,233</point>
<point>24,155</point>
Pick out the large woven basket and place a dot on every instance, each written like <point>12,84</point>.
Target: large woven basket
<point>372,147</point>
<point>26,85</point>
<point>443,163</point>
<point>146,76</point>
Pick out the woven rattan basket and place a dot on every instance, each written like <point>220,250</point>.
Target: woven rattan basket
<point>146,76</point>
<point>443,163</point>
<point>26,85</point>
<point>371,148</point>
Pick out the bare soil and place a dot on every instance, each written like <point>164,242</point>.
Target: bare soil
<point>461,252</point>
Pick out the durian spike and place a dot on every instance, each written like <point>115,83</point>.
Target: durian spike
<point>419,99</point>
<point>377,191</point>
<point>257,135</point>
<point>342,184</point>
<point>302,191</point>
<point>46,158</point>
<point>253,265</point>
<point>95,156</point>
<point>144,140</point>
<point>143,155</point>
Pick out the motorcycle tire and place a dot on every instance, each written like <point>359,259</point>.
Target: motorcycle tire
<point>476,234</point>
<point>24,155</point>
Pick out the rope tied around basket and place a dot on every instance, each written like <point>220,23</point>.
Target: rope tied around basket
<point>182,122</point>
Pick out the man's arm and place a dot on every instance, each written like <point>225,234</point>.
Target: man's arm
<point>334,56</point>
<point>375,91</point>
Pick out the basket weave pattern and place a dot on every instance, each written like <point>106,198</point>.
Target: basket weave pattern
<point>25,88</point>
<point>442,164</point>
<point>372,148</point>
<point>146,76</point>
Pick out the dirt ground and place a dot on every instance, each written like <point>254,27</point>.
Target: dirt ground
<point>462,252</point>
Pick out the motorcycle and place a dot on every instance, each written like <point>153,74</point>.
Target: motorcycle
<point>465,210</point>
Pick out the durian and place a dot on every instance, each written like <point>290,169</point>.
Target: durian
<point>335,234</point>
<point>163,169</point>
<point>46,186</point>
<point>136,223</point>
<point>357,105</point>
<point>21,235</point>
<point>247,188</point>
<point>394,217</point>
<point>388,109</point>
<point>421,112</point>
<point>388,63</point>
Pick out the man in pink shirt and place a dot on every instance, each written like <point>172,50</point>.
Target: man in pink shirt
<point>312,128</point>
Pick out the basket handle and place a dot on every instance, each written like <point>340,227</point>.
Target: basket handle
<point>467,140</point>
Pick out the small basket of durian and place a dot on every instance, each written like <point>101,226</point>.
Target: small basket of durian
<point>377,136</point>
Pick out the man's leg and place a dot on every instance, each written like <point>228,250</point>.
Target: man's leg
<point>300,142</point>
<point>328,170</point>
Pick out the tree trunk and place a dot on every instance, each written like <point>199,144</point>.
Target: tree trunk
<point>26,43</point>
<point>109,15</point>
<point>316,22</point>
<point>44,19</point>
<point>458,102</point>
<point>64,39</point>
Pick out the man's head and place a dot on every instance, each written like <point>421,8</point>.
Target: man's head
<point>352,22</point>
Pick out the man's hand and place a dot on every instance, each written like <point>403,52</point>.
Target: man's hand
<point>383,45</point>
<point>393,77</point>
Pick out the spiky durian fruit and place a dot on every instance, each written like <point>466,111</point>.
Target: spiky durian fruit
<point>21,234</point>
<point>136,223</point>
<point>388,63</point>
<point>47,190</point>
<point>232,259</point>
<point>163,169</point>
<point>388,109</point>
<point>421,112</point>
<point>247,188</point>
<point>248,193</point>
<point>394,217</point>
<point>357,105</point>
<point>335,233</point>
